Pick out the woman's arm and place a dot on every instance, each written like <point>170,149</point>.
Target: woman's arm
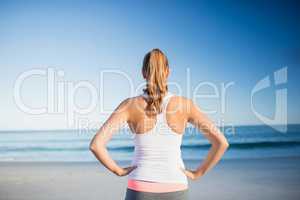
<point>98,144</point>
<point>213,134</point>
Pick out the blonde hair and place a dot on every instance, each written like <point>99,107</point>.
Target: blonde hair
<point>155,71</point>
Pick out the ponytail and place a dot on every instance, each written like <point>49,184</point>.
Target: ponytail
<point>155,70</point>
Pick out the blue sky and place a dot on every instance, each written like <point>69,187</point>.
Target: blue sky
<point>217,41</point>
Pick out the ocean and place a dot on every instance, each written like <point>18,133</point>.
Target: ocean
<point>73,145</point>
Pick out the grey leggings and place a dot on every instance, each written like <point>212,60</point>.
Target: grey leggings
<point>136,195</point>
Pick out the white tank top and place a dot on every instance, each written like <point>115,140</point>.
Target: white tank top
<point>157,152</point>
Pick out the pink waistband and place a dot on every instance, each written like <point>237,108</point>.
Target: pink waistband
<point>145,186</point>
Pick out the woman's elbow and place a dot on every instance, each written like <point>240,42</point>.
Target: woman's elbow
<point>224,144</point>
<point>92,147</point>
<point>96,146</point>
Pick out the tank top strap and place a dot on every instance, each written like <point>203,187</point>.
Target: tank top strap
<point>165,102</point>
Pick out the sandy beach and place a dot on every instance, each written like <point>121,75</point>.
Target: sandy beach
<point>271,178</point>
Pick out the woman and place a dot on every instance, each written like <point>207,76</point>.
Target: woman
<point>158,120</point>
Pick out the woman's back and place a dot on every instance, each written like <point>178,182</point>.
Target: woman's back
<point>140,123</point>
<point>157,146</point>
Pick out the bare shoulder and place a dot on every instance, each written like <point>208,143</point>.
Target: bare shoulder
<point>181,102</point>
<point>132,103</point>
